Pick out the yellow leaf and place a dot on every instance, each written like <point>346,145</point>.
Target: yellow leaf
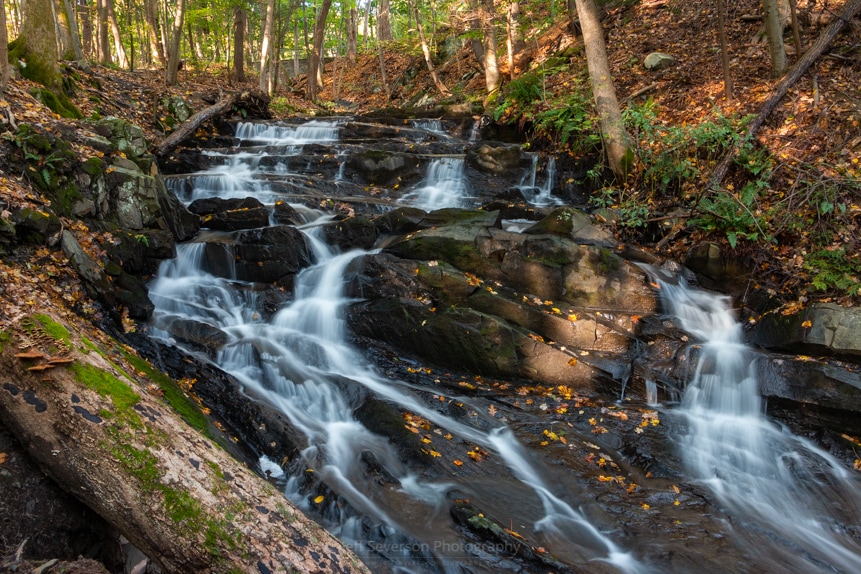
<point>807,324</point>
<point>676,489</point>
<point>645,506</point>
<point>319,499</point>
<point>457,463</point>
<point>572,361</point>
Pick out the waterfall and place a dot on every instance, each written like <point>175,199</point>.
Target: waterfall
<point>539,195</point>
<point>444,185</point>
<point>300,362</point>
<point>271,134</point>
<point>787,492</point>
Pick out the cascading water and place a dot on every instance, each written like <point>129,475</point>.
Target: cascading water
<point>793,500</point>
<point>540,195</point>
<point>444,185</point>
<point>300,362</point>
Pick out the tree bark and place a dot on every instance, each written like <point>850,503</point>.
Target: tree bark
<point>4,55</point>
<point>352,34</point>
<point>172,70</point>
<point>266,47</point>
<point>724,50</point>
<point>126,454</point>
<point>617,143</point>
<point>122,60</point>
<point>151,17</point>
<point>426,51</point>
<point>491,66</point>
<point>316,54</point>
<point>39,39</point>
<point>514,43</point>
<point>850,9</point>
<point>86,28</point>
<point>104,43</point>
<point>240,22</point>
<point>774,34</point>
<point>384,21</point>
<point>65,48</point>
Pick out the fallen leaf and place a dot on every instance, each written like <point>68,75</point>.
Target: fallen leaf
<point>319,499</point>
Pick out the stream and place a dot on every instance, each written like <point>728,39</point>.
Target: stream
<point>749,496</point>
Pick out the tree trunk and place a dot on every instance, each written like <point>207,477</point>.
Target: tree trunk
<point>317,53</point>
<point>168,489</point>
<point>384,22</point>
<point>352,34</point>
<point>796,33</point>
<point>172,70</point>
<point>617,142</point>
<point>38,43</point>
<point>383,76</point>
<point>86,28</point>
<point>240,21</point>
<point>266,45</point>
<point>724,50</point>
<point>65,47</point>
<point>296,68</point>
<point>122,60</point>
<point>514,42</point>
<point>104,43</point>
<point>4,55</point>
<point>156,47</point>
<point>491,67</point>
<point>426,51</point>
<point>774,34</point>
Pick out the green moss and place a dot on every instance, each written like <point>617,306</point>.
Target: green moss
<point>107,385</point>
<point>138,462</point>
<point>57,331</point>
<point>4,338</point>
<point>94,167</point>
<point>174,396</point>
<point>57,102</point>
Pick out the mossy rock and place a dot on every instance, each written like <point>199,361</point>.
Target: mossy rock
<point>57,102</point>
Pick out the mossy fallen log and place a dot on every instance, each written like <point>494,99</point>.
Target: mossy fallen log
<point>106,435</point>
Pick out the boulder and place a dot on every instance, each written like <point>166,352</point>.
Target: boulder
<point>820,329</point>
<point>211,205</point>
<point>658,61</point>
<point>382,167</point>
<point>32,226</point>
<point>575,224</point>
<point>264,255</point>
<point>124,136</point>
<point>351,233</point>
<point>497,159</point>
<point>237,219</point>
<point>94,278</point>
<point>285,213</point>
<point>399,221</point>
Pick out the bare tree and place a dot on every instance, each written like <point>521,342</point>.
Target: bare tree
<point>266,48</point>
<point>352,33</point>
<point>774,34</point>
<point>316,54</point>
<point>426,51</point>
<point>514,42</point>
<point>617,143</point>
<point>172,70</point>
<point>240,23</point>
<point>122,60</point>
<point>152,26</point>
<point>724,50</point>
<point>491,66</point>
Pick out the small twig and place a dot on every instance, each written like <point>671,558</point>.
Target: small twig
<point>642,91</point>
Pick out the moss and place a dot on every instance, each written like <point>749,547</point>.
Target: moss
<point>58,103</point>
<point>4,338</point>
<point>107,385</point>
<point>57,331</point>
<point>94,167</point>
<point>138,462</point>
<point>174,396</point>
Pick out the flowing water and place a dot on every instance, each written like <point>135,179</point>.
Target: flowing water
<point>782,497</point>
<point>792,499</point>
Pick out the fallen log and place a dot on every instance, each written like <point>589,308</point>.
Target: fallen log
<point>247,98</point>
<point>792,76</point>
<point>183,501</point>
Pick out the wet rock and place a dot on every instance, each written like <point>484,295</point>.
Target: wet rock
<point>382,167</point>
<point>807,381</point>
<point>285,213</point>
<point>351,233</point>
<point>497,159</point>
<point>202,335</point>
<point>264,255</point>
<point>400,220</point>
<point>131,293</point>
<point>237,219</point>
<point>141,252</point>
<point>820,329</point>
<point>212,205</point>
<point>717,269</point>
<point>574,224</point>
<point>95,280</point>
